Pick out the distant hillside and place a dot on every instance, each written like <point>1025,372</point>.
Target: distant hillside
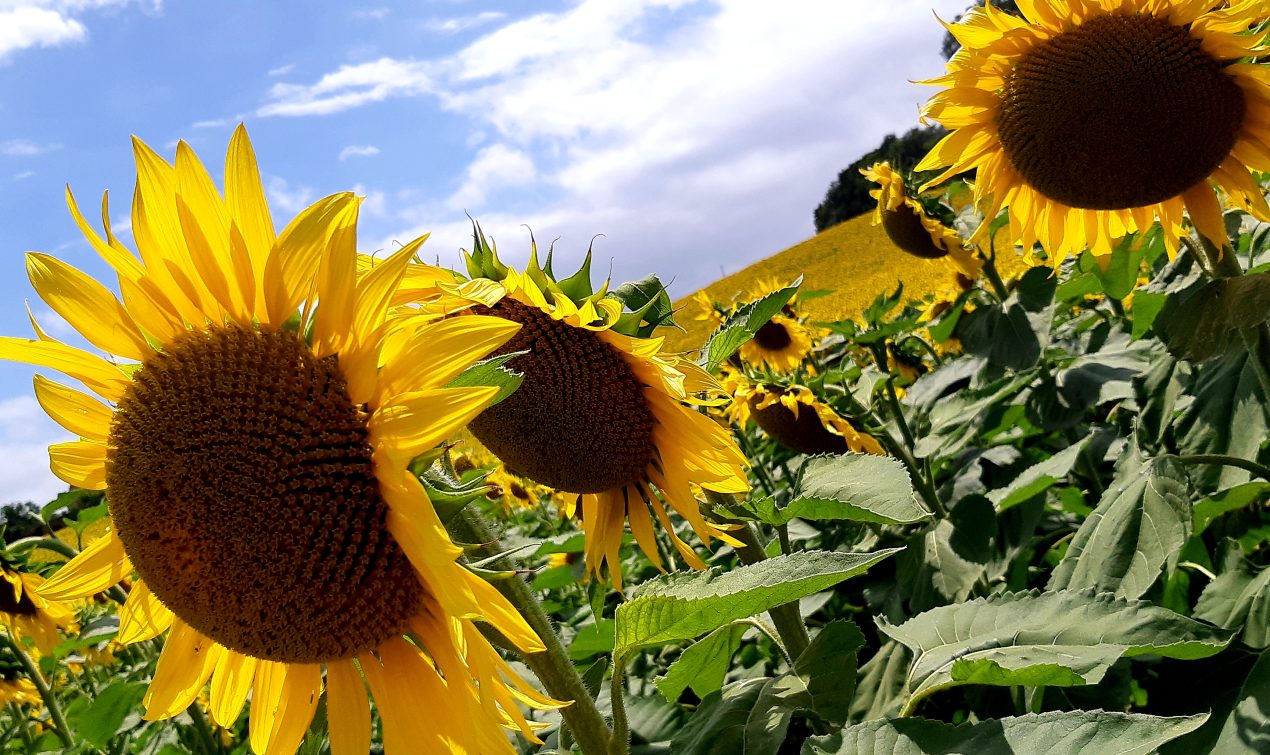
<point>854,258</point>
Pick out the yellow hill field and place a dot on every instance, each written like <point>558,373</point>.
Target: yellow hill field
<point>855,259</point>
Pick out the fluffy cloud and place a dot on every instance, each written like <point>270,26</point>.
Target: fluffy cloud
<point>25,148</point>
<point>25,434</point>
<point>48,23</point>
<point>358,150</point>
<point>695,135</point>
<point>462,23</point>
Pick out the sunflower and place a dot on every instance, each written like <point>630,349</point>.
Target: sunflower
<point>17,690</point>
<point>602,415</point>
<point>25,613</point>
<point>1090,119</point>
<point>254,451</point>
<point>911,228</point>
<point>793,416</point>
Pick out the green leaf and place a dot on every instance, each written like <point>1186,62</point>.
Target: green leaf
<point>592,639</point>
<point>1238,497</point>
<point>1247,729</point>
<point>1117,273</point>
<point>1081,631</point>
<point>649,304</point>
<point>882,304</point>
<point>106,714</point>
<point>828,669</point>
<point>684,605</point>
<point>703,665</point>
<point>854,487</point>
<point>1200,325</point>
<point>1239,599</point>
<point>1228,416</point>
<point>491,373</point>
<point>880,690</point>
<point>1038,478</point>
<point>718,726</point>
<point>1146,308</point>
<point>1054,733</point>
<point>1142,521</point>
<point>742,325</point>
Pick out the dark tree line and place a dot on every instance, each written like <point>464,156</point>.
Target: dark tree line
<point>848,196</point>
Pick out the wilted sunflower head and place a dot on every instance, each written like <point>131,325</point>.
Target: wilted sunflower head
<point>795,417</point>
<point>253,430</point>
<point>910,227</point>
<point>602,413</point>
<point>1090,119</point>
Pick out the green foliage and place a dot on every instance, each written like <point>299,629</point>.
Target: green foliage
<point>854,487</point>
<point>743,324</point>
<point>848,195</point>
<point>1066,733</point>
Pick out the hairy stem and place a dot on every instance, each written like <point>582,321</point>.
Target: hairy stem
<point>552,666</point>
<point>54,708</point>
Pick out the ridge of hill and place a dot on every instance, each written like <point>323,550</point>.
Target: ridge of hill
<point>855,260</point>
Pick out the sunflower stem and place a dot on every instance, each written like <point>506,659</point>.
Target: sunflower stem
<point>54,708</point>
<point>552,666</point>
<point>1253,467</point>
<point>787,618</point>
<point>204,731</point>
<point>990,272</point>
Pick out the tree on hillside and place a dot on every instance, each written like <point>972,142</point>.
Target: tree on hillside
<point>20,519</point>
<point>848,195</point>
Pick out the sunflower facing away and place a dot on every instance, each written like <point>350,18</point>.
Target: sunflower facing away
<point>602,416</point>
<point>26,614</point>
<point>793,416</point>
<point>1089,119</point>
<point>909,226</point>
<point>252,431</point>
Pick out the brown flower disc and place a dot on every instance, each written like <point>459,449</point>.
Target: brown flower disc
<point>904,227</point>
<point>240,482</point>
<point>1123,111</point>
<point>804,433</point>
<point>773,336</point>
<point>21,606</point>
<point>579,422</point>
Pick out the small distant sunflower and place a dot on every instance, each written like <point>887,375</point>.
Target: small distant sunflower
<point>25,613</point>
<point>909,226</point>
<point>255,455</point>
<point>708,310</point>
<point>782,343</point>
<point>602,415</point>
<point>16,689</point>
<point>1089,119</point>
<point>793,416</point>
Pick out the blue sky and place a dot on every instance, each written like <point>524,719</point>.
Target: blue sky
<point>697,136</point>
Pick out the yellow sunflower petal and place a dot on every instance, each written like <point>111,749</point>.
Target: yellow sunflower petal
<point>418,421</point>
<point>464,339</point>
<point>291,271</point>
<point>96,568</point>
<point>77,412</point>
<point>87,306</point>
<point>245,199</point>
<point>348,709</point>
<point>184,667</point>
<point>297,702</point>
<point>81,463</point>
<point>266,700</point>
<point>142,617</point>
<point>231,681</point>
<point>103,377</point>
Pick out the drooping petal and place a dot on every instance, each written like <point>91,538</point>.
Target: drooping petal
<point>77,412</point>
<point>231,681</point>
<point>86,304</point>
<point>348,709</point>
<point>184,667</point>
<point>96,568</point>
<point>81,463</point>
<point>142,617</point>
<point>103,377</point>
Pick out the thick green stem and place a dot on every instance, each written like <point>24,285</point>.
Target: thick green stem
<point>54,708</point>
<point>1259,470</point>
<point>787,618</point>
<point>990,272</point>
<point>621,740</point>
<point>552,666</point>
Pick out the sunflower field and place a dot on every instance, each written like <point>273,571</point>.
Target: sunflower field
<point>327,502</point>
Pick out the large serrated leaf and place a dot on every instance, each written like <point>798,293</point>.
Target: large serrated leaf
<point>684,605</point>
<point>1200,325</point>
<point>703,665</point>
<point>1247,729</point>
<point>1140,525</point>
<point>1239,599</point>
<point>1055,733</point>
<point>1080,631</point>
<point>742,325</point>
<point>854,487</point>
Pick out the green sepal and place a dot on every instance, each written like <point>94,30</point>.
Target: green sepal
<point>578,286</point>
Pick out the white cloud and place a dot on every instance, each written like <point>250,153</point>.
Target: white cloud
<point>370,14</point>
<point>25,434</point>
<point>463,23</point>
<point>287,198</point>
<point>496,166</point>
<point>25,147</point>
<point>348,87</point>
<point>705,139</point>
<point>26,24</point>
<point>24,175</point>
<point>282,70</point>
<point>358,150</point>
